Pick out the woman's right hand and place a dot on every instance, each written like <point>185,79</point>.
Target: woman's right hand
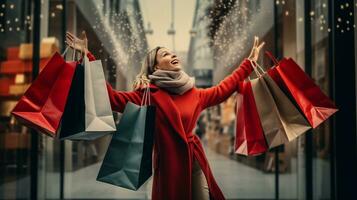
<point>254,54</point>
<point>76,43</point>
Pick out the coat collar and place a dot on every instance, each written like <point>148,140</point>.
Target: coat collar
<point>152,87</point>
<point>170,110</point>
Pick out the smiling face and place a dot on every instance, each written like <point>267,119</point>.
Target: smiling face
<point>166,60</point>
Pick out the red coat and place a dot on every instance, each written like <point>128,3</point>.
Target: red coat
<point>175,144</point>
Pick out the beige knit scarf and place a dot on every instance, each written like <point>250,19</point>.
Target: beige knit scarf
<point>177,82</point>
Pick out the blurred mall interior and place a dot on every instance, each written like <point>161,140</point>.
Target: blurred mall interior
<point>319,34</point>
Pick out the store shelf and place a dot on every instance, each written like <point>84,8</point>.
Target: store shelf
<point>10,97</point>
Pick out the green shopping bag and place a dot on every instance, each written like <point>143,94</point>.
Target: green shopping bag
<point>128,160</point>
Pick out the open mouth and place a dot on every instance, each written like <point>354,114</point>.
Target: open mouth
<point>174,61</point>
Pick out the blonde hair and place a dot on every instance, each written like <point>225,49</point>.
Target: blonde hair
<point>142,79</point>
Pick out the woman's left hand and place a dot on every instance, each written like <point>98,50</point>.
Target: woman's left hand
<point>254,54</point>
<point>76,43</point>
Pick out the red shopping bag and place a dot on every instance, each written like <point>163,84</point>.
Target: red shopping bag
<point>43,103</point>
<point>250,139</point>
<point>309,98</point>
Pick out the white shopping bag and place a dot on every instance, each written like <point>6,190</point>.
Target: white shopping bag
<point>97,114</point>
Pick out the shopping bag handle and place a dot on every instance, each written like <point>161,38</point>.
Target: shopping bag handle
<point>146,96</point>
<point>74,52</point>
<point>65,52</point>
<point>256,67</point>
<point>270,55</point>
<point>82,55</point>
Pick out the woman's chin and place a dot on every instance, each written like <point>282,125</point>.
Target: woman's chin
<point>176,68</point>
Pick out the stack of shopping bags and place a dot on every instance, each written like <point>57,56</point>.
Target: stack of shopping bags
<point>278,106</point>
<point>69,100</point>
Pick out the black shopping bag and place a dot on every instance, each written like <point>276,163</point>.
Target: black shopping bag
<point>87,114</point>
<point>128,160</point>
<point>73,119</point>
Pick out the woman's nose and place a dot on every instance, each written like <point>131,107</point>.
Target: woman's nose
<point>173,56</point>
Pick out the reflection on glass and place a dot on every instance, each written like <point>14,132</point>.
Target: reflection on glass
<point>221,36</point>
<point>116,37</point>
<point>320,74</point>
<point>231,28</point>
<point>15,75</point>
<point>291,157</point>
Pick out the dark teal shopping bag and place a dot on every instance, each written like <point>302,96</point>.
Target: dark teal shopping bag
<point>128,160</point>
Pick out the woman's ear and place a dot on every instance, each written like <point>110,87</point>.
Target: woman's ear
<point>156,67</point>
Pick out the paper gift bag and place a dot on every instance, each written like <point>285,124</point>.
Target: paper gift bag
<point>309,98</point>
<point>128,160</point>
<point>18,89</point>
<point>20,78</point>
<point>14,67</point>
<point>249,138</point>
<point>25,51</point>
<point>6,107</point>
<point>73,119</point>
<point>12,53</point>
<point>48,46</point>
<point>42,105</point>
<point>5,83</point>
<point>88,113</point>
<point>280,119</point>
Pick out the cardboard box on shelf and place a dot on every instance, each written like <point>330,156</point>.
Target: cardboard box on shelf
<point>25,52</point>
<point>43,62</point>
<point>14,67</point>
<point>6,107</point>
<point>12,53</point>
<point>47,48</point>
<point>5,83</point>
<point>18,89</point>
<point>19,66</point>
<point>16,140</point>
<point>20,79</point>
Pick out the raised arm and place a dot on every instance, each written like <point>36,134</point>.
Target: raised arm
<point>118,99</point>
<point>219,93</point>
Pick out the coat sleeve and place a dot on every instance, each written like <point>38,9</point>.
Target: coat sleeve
<point>90,56</point>
<point>219,93</point>
<point>118,99</point>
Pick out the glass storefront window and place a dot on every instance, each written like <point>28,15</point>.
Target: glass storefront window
<point>291,155</point>
<point>15,75</point>
<point>320,74</point>
<point>221,37</point>
<point>231,31</point>
<point>16,68</point>
<point>116,37</point>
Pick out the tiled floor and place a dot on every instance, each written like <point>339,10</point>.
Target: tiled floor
<point>237,181</point>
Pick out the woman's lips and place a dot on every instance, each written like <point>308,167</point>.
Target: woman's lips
<point>174,61</point>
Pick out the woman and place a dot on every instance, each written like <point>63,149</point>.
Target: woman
<point>181,170</point>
